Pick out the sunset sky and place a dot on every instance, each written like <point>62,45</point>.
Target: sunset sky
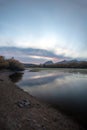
<point>58,27</point>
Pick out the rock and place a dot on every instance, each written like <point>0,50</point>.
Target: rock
<point>23,103</point>
<point>1,80</point>
<point>55,119</point>
<point>38,105</point>
<point>43,127</point>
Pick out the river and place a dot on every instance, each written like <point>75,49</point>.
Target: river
<point>65,88</point>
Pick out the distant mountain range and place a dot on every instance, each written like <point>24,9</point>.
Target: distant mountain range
<point>62,62</point>
<point>69,61</point>
<point>66,64</point>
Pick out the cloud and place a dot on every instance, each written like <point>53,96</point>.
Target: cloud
<point>30,55</point>
<point>47,47</point>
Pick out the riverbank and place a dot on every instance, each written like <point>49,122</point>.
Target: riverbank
<point>37,116</point>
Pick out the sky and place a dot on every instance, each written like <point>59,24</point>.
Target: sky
<point>55,26</point>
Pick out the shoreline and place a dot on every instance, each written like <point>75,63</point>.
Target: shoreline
<point>38,116</point>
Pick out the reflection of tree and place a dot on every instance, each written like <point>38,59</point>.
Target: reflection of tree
<point>16,77</point>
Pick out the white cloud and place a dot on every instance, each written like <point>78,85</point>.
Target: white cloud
<point>48,41</point>
<point>43,42</point>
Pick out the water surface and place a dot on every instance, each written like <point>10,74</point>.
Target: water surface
<point>65,88</point>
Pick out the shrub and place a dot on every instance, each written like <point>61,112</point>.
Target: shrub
<point>15,65</point>
<point>11,64</point>
<point>3,63</point>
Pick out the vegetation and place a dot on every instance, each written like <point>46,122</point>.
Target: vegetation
<point>82,64</point>
<point>11,64</point>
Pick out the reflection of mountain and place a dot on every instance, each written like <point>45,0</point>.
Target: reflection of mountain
<point>39,81</point>
<point>16,77</point>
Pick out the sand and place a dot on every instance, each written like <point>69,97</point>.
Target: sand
<point>38,116</point>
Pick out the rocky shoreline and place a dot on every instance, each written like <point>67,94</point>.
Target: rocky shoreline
<point>21,111</point>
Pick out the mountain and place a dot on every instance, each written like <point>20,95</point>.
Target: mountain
<point>62,62</point>
<point>73,61</point>
<point>69,61</point>
<point>48,62</point>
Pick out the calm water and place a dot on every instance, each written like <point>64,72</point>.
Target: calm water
<point>65,88</point>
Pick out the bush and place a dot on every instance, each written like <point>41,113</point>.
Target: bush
<point>15,65</point>
<point>11,64</point>
<point>3,63</point>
